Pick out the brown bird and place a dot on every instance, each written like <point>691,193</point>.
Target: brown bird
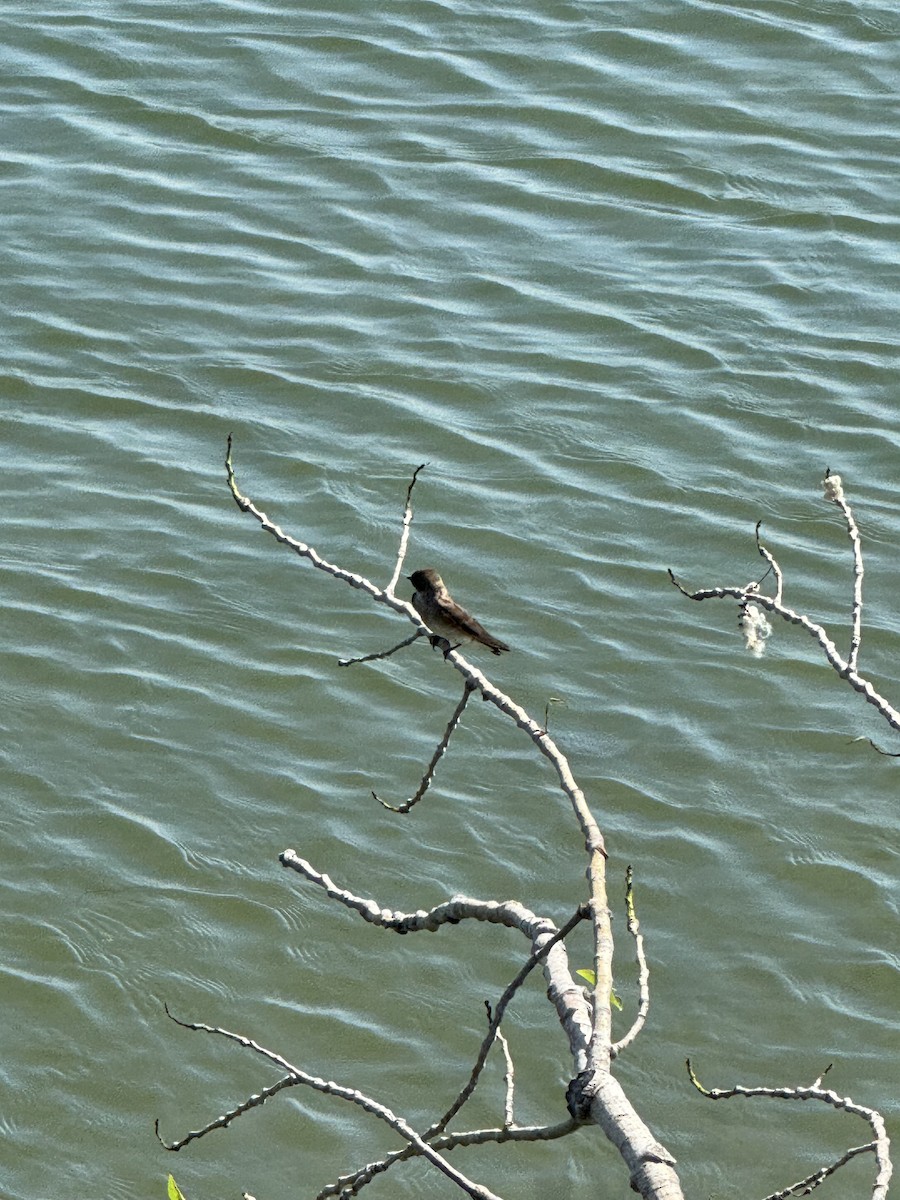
<point>444,616</point>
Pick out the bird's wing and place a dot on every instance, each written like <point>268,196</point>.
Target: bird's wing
<point>455,614</point>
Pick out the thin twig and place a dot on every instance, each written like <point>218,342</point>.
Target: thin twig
<point>351,662</point>
<point>305,551</point>
<point>541,952</point>
<point>226,1118</point>
<point>404,534</point>
<point>329,1087</point>
<point>352,1183</point>
<point>779,578</point>
<point>803,1187</point>
<point>877,748</point>
<point>468,688</point>
<point>509,1076</point>
<point>834,491</point>
<point>634,928</point>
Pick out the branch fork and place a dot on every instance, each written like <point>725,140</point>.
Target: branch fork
<point>751,600</point>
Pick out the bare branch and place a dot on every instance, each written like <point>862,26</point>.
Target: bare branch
<point>329,1087</point>
<point>468,688</point>
<point>404,536</point>
<point>776,570</point>
<point>352,1184</point>
<point>351,662</point>
<point>834,491</point>
<point>803,1187</point>
<point>594,1093</point>
<point>634,928</point>
<point>649,1164</point>
<point>880,1146</point>
<point>750,596</point>
<point>591,831</point>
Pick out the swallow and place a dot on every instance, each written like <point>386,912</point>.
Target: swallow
<point>444,616</point>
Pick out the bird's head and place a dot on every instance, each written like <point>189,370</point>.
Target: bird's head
<point>427,578</point>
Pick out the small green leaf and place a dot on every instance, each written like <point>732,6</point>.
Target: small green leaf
<point>174,1191</point>
<point>592,980</point>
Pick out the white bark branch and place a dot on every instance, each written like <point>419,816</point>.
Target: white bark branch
<point>880,1146</point>
<point>651,1167</point>
<point>750,594</point>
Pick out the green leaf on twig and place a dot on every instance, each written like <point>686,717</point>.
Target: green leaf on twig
<point>592,980</point>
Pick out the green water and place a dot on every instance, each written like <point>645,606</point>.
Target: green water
<point>625,278</point>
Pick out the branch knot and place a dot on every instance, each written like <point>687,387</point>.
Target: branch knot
<point>580,1095</point>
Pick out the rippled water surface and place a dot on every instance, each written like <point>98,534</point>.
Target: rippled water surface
<point>624,277</point>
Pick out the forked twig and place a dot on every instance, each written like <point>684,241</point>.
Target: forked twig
<point>750,597</point>
<point>880,1145</point>
<point>309,552</point>
<point>389,590</point>
<point>436,1133</point>
<point>539,955</point>
<point>329,1087</point>
<point>352,1183</point>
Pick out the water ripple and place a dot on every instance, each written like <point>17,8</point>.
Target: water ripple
<point>627,288</point>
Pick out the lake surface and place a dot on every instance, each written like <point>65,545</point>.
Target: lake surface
<point>625,277</point>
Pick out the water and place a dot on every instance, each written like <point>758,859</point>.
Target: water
<point>626,282</point>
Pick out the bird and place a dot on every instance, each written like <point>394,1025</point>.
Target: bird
<point>444,616</point>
